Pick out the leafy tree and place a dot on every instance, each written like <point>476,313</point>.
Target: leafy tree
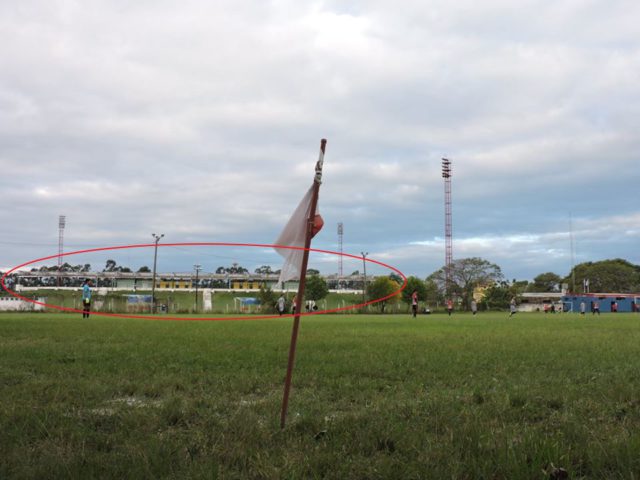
<point>518,287</point>
<point>497,296</point>
<point>466,275</point>
<point>110,266</point>
<point>545,282</point>
<point>414,283</point>
<point>382,287</point>
<point>267,299</point>
<point>315,288</point>
<point>264,270</point>
<point>313,271</point>
<point>234,268</point>
<point>617,275</point>
<point>144,269</point>
<point>432,295</point>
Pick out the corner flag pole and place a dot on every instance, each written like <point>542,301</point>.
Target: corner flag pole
<point>303,274</point>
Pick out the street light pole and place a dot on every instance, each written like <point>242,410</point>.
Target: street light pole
<point>153,284</point>
<point>364,283</point>
<point>197,268</point>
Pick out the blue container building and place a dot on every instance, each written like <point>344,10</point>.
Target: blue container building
<point>608,302</point>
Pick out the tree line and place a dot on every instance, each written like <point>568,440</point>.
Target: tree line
<point>605,276</point>
<point>467,274</point>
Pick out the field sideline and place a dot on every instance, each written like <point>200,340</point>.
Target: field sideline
<point>373,397</point>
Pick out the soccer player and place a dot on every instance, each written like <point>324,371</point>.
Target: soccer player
<point>512,307</point>
<point>86,298</point>
<point>449,306</point>
<point>474,307</point>
<point>414,303</point>
<point>596,308</point>
<point>281,304</point>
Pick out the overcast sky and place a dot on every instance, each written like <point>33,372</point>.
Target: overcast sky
<point>202,120</point>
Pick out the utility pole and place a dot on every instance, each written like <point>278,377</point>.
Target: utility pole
<point>364,282</point>
<point>197,268</point>
<point>62,220</point>
<point>340,235</point>
<point>155,259</point>
<point>573,270</point>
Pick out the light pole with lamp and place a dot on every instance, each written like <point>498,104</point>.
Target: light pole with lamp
<point>364,283</point>
<point>153,284</point>
<point>197,268</point>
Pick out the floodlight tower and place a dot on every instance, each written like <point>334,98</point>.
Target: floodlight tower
<point>448,231</point>
<point>62,221</point>
<point>340,235</point>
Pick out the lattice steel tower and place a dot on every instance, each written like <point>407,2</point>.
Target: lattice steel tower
<point>340,235</point>
<point>62,220</point>
<point>448,232</point>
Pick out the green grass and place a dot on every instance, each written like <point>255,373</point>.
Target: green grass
<point>373,397</point>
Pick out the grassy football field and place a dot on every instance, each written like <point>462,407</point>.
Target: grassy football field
<point>534,396</point>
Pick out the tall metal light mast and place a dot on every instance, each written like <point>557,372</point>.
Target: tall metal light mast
<point>62,221</point>
<point>448,232</point>
<point>340,235</point>
<point>156,238</point>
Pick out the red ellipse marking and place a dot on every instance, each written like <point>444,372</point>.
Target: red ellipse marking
<point>203,244</point>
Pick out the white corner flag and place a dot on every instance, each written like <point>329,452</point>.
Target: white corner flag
<point>294,235</point>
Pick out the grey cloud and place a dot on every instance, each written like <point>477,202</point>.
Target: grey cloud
<point>204,120</point>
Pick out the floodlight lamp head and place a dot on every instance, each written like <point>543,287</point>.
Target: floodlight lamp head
<point>446,168</point>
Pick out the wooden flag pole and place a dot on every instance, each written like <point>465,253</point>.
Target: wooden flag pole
<point>303,274</point>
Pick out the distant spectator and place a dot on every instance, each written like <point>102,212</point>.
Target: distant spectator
<point>583,307</point>
<point>596,308</point>
<point>474,307</point>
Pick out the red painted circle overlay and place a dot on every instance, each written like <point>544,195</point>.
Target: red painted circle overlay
<point>203,244</point>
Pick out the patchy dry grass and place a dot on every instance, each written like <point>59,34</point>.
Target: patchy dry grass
<point>373,397</point>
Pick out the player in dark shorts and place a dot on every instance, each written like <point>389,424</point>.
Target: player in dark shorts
<point>86,298</point>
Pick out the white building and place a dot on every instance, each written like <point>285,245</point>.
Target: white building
<point>13,304</point>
